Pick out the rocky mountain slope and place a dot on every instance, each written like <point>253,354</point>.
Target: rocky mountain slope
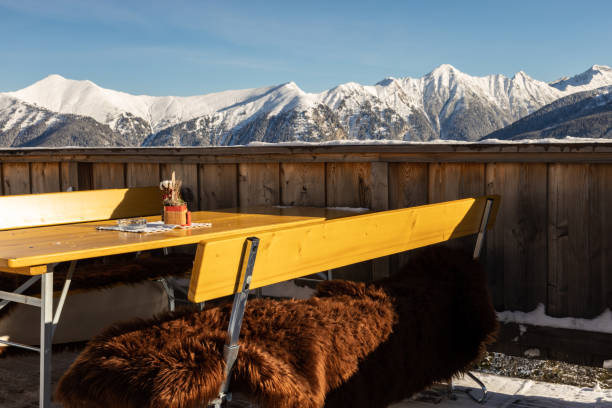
<point>583,114</point>
<point>444,104</point>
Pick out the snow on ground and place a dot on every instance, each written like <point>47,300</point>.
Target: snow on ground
<point>508,392</point>
<point>538,317</point>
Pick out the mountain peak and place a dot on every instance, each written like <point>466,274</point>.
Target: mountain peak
<point>444,68</point>
<point>601,68</point>
<point>594,77</point>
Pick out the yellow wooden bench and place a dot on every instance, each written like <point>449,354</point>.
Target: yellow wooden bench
<point>234,265</point>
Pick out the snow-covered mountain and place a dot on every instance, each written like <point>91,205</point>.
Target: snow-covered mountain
<point>585,114</point>
<point>446,103</point>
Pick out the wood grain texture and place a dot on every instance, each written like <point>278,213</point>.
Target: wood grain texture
<point>516,259</point>
<point>600,240</point>
<point>58,243</point>
<point>258,184</point>
<point>33,210</point>
<point>290,253</point>
<point>569,263</point>
<point>302,184</point>
<point>45,177</point>
<point>433,153</point>
<point>188,173</point>
<point>16,178</point>
<point>407,184</point>
<point>350,185</point>
<point>142,174</point>
<point>379,173</point>
<point>408,187</point>
<point>108,175</point>
<point>85,176</point>
<point>69,176</point>
<point>218,186</point>
<point>452,181</point>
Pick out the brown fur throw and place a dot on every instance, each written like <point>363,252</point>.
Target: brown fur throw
<point>354,345</point>
<point>90,275</point>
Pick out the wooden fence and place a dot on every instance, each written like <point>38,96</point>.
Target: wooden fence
<point>552,243</point>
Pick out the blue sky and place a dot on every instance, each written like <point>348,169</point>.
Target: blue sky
<point>195,47</point>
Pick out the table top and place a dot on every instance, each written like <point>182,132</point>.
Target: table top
<point>28,247</point>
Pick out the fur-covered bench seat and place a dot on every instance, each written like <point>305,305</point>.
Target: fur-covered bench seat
<point>352,345</point>
<point>100,294</point>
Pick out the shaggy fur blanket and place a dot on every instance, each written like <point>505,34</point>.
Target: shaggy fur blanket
<point>353,345</point>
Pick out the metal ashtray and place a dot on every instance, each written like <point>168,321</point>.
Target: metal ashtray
<point>132,223</point>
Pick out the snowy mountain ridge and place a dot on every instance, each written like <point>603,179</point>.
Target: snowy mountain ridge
<point>445,103</point>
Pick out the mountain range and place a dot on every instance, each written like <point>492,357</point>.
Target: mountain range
<point>443,104</point>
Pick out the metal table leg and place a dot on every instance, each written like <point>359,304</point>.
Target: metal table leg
<point>46,338</point>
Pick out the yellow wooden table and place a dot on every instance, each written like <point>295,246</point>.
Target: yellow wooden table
<point>34,251</point>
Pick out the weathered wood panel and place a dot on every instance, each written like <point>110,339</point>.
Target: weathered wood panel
<point>69,176</point>
<point>85,176</point>
<point>452,181</point>
<point>407,184</point>
<point>302,184</point>
<point>569,252</point>
<point>142,174</point>
<point>45,177</point>
<point>351,185</point>
<point>517,261</point>
<point>108,175</point>
<point>408,187</point>
<point>188,173</point>
<point>218,186</point>
<point>16,178</point>
<point>600,240</point>
<point>258,184</point>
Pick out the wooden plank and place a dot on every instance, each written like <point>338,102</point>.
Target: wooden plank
<point>58,243</point>
<point>45,177</point>
<point>379,173</point>
<point>27,270</point>
<point>407,188</point>
<point>407,184</point>
<point>600,240</point>
<point>434,153</point>
<point>290,253</point>
<point>218,186</point>
<point>452,181</point>
<point>302,184</point>
<point>31,210</point>
<point>350,185</point>
<point>188,173</point>
<point>517,262</point>
<point>108,175</point>
<point>69,176</point>
<point>16,178</point>
<point>569,270</point>
<point>258,184</point>
<point>85,176</point>
<point>142,174</point>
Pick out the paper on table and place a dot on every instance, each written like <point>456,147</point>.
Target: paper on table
<point>155,226</point>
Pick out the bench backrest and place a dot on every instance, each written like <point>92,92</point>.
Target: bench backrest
<point>35,210</point>
<point>289,253</point>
